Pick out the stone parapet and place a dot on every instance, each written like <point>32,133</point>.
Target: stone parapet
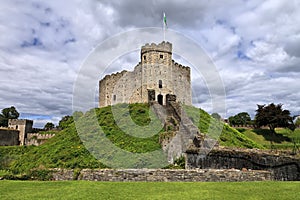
<point>161,47</point>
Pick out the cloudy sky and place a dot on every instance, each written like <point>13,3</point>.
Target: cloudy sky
<point>255,46</point>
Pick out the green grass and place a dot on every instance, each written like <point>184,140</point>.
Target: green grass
<point>150,190</point>
<point>283,139</point>
<point>226,135</point>
<point>66,149</point>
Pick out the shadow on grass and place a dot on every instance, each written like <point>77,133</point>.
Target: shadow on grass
<point>277,138</point>
<point>241,130</point>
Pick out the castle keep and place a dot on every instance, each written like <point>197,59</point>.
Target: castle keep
<point>152,79</point>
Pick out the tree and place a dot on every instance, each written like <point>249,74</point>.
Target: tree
<point>244,118</point>
<point>273,116</point>
<point>8,113</point>
<point>65,121</point>
<point>216,116</point>
<point>48,126</point>
<point>240,119</point>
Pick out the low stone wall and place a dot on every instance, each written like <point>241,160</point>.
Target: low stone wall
<point>284,167</point>
<point>37,139</point>
<point>162,175</point>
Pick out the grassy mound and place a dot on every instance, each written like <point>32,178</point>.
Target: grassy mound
<point>66,149</point>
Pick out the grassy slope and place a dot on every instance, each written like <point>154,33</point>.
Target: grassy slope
<point>66,150</point>
<point>282,140</point>
<point>150,190</point>
<point>226,135</point>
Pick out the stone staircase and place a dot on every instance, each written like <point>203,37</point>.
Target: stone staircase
<point>184,135</point>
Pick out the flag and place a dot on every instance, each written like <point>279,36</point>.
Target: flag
<point>165,20</point>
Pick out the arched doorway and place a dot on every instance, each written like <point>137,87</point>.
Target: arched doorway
<point>160,99</point>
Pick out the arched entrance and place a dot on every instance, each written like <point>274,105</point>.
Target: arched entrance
<point>160,99</point>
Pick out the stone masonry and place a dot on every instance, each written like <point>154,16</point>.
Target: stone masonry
<point>9,137</point>
<point>283,167</point>
<point>37,139</point>
<point>162,175</point>
<point>23,125</point>
<point>155,76</point>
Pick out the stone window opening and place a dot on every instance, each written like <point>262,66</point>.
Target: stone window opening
<point>160,83</point>
<point>115,97</point>
<point>161,56</point>
<point>144,57</point>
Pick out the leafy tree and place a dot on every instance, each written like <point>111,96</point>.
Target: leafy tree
<point>49,126</point>
<point>273,116</point>
<point>244,118</point>
<point>8,113</point>
<point>240,119</point>
<point>232,121</point>
<point>216,116</point>
<point>65,122</point>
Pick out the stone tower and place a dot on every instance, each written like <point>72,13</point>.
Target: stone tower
<point>23,125</point>
<point>153,78</point>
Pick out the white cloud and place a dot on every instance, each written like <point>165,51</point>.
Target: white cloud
<point>255,46</point>
<point>266,53</point>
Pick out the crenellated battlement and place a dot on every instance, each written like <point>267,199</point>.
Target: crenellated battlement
<point>161,47</point>
<point>180,65</point>
<point>19,121</point>
<point>114,75</point>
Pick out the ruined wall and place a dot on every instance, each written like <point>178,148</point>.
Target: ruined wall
<point>156,71</point>
<point>37,139</point>
<point>284,167</point>
<point>162,175</point>
<point>9,137</point>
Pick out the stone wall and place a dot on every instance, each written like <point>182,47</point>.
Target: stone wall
<point>37,139</point>
<point>9,137</point>
<point>284,167</point>
<point>161,175</point>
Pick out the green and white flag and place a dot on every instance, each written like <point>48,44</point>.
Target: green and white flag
<point>165,20</point>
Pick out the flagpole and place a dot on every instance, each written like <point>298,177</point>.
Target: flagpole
<point>164,25</point>
<point>164,33</point>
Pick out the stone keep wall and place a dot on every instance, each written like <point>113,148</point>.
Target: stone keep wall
<point>9,137</point>
<point>156,71</point>
<point>284,167</point>
<point>162,175</point>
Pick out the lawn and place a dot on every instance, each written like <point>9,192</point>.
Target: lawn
<point>148,190</point>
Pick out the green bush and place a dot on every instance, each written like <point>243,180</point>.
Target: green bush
<point>40,174</point>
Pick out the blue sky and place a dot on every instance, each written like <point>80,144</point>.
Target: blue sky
<point>255,46</point>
